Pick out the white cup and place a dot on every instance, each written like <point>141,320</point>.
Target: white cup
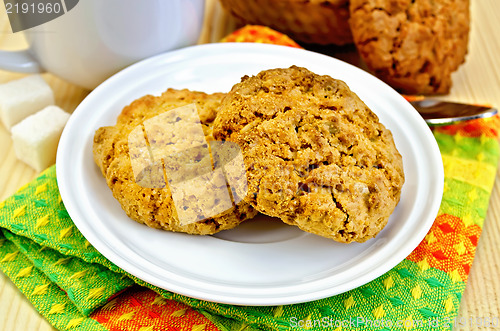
<point>97,38</point>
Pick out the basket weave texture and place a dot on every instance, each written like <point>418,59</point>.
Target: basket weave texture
<point>309,21</point>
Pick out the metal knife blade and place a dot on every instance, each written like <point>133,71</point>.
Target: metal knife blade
<point>437,112</point>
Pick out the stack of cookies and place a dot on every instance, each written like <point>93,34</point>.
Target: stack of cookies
<point>312,154</point>
<point>413,45</point>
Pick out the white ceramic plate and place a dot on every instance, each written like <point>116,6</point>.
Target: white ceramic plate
<point>261,262</point>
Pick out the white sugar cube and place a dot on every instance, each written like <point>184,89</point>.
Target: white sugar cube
<point>35,138</point>
<point>23,97</point>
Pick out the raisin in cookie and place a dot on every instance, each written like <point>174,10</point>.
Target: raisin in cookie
<point>315,155</point>
<point>132,157</point>
<point>413,45</point>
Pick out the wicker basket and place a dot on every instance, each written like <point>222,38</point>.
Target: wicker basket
<point>310,21</point>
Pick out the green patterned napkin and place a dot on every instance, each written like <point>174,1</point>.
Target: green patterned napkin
<point>70,282</point>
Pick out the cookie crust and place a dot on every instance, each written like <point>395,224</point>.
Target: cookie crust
<point>315,155</point>
<point>413,45</point>
<point>154,206</point>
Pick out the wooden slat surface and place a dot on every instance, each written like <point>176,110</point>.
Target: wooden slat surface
<point>476,81</point>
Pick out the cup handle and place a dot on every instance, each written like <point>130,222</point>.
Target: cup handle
<point>19,61</point>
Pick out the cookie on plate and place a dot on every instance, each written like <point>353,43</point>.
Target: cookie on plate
<point>315,155</point>
<point>413,45</point>
<point>171,189</point>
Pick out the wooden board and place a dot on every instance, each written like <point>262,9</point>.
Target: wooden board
<point>476,81</point>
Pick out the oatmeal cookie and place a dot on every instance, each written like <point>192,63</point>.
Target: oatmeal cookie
<point>136,169</point>
<point>315,155</point>
<point>413,45</point>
